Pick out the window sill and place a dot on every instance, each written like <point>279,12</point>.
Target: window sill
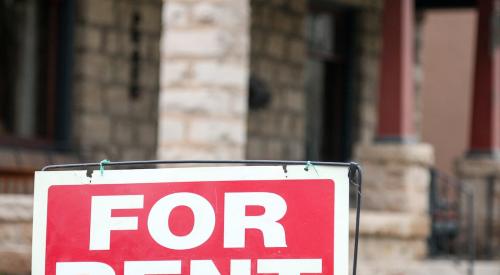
<point>29,160</point>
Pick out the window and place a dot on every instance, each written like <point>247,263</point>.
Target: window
<point>31,65</point>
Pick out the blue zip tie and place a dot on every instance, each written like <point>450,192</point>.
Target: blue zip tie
<point>101,165</point>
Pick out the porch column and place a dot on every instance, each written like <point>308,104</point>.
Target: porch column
<point>485,123</point>
<point>396,91</point>
<point>480,167</point>
<point>396,166</point>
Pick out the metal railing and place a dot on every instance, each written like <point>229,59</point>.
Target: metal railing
<point>451,211</point>
<point>492,247</point>
<point>13,181</point>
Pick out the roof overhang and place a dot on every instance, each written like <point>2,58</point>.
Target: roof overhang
<point>445,4</point>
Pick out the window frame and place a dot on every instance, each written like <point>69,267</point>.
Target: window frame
<point>55,79</point>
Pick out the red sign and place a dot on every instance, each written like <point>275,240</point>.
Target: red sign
<point>199,228</point>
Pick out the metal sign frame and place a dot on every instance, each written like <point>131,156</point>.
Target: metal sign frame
<point>354,175</point>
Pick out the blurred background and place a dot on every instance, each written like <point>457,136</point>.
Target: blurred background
<point>408,88</point>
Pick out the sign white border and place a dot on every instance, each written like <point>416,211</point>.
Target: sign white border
<point>45,179</point>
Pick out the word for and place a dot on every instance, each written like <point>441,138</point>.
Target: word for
<point>235,220</point>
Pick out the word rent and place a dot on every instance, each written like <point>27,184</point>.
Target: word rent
<point>236,222</point>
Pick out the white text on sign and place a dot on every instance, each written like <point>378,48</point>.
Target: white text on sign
<point>236,222</point>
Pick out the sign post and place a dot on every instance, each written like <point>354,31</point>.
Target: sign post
<point>237,220</point>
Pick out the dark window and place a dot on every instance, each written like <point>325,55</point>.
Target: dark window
<point>33,60</point>
<point>328,83</point>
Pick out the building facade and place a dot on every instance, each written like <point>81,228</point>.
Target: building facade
<point>335,80</point>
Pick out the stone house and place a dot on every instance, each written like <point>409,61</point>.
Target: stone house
<point>333,80</point>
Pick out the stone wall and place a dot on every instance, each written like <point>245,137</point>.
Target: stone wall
<point>204,76</point>
<point>108,122</point>
<point>278,56</point>
<point>191,102</point>
<point>15,234</point>
<point>368,29</point>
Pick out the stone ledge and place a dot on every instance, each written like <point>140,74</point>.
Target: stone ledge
<point>394,225</point>
<point>425,267</point>
<point>477,167</point>
<point>32,159</point>
<point>16,208</point>
<point>14,234</point>
<point>419,153</point>
<point>390,250</point>
<point>15,259</point>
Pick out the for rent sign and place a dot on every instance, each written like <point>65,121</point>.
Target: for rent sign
<point>199,221</point>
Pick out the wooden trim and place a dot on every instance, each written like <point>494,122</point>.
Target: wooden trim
<point>328,6</point>
<point>52,61</point>
<point>325,5</point>
<point>16,172</point>
<point>445,4</point>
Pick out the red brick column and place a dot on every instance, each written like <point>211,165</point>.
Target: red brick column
<point>485,123</point>
<point>395,107</point>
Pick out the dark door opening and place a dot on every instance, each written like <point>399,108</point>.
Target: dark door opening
<point>328,84</point>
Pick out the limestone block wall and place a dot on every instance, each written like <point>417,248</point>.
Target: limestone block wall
<point>15,234</point>
<point>395,201</point>
<point>204,76</point>
<point>107,121</point>
<point>278,56</point>
<point>368,44</point>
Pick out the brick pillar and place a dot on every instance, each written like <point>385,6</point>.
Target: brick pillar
<point>396,166</point>
<point>482,161</point>
<point>204,75</point>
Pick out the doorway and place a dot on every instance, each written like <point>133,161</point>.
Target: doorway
<point>328,82</point>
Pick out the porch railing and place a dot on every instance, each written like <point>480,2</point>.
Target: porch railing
<point>14,181</point>
<point>452,219</point>
<point>492,248</point>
